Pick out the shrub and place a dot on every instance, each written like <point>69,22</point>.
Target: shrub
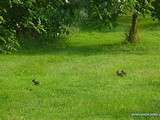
<point>156,9</point>
<point>40,18</point>
<point>8,41</point>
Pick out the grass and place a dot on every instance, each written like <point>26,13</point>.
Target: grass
<point>78,82</point>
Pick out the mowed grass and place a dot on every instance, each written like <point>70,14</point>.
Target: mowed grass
<point>79,82</point>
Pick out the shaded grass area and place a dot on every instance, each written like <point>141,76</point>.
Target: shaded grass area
<point>79,81</point>
<point>85,44</point>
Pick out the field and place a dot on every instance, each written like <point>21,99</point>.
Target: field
<point>79,81</point>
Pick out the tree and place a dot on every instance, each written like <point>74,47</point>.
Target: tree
<point>137,7</point>
<point>107,11</point>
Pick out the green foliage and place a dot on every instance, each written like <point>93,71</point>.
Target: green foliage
<point>140,6</point>
<point>104,12</point>
<point>55,19</point>
<point>156,9</point>
<point>50,20</point>
<point>40,17</point>
<point>8,41</point>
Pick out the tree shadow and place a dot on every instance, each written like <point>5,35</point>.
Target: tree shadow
<point>86,50</point>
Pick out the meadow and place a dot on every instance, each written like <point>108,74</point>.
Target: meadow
<point>79,81</point>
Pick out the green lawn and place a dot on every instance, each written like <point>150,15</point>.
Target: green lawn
<point>79,82</point>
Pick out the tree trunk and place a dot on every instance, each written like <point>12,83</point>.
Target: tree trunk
<point>133,33</point>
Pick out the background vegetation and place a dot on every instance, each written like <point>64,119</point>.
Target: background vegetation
<point>78,80</point>
<point>49,21</point>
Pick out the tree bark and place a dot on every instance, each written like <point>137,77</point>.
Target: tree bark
<point>133,33</point>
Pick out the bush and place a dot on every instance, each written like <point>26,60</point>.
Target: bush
<point>8,41</point>
<point>37,18</point>
<point>156,9</point>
